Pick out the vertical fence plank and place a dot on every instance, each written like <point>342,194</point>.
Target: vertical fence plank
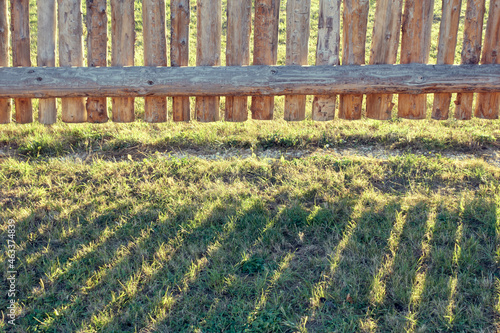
<point>97,54</point>
<point>327,53</point>
<point>122,53</point>
<point>297,47</point>
<point>446,52</point>
<point>488,104</point>
<point>384,50</point>
<point>415,48</point>
<point>5,110</point>
<point>239,28</point>
<point>265,50</point>
<point>355,26</point>
<point>71,54</point>
<point>471,52</point>
<point>46,49</point>
<point>180,15</point>
<point>21,53</point>
<point>155,54</point>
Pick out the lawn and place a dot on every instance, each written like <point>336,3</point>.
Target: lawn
<point>116,233</point>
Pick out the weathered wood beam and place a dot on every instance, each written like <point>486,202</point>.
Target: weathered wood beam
<point>127,82</point>
<point>5,109</point>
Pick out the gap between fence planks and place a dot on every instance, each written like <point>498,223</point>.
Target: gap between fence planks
<point>122,53</point>
<point>239,28</point>
<point>97,54</point>
<point>209,26</point>
<point>297,48</point>
<point>21,53</point>
<point>384,50</point>
<point>415,48</point>
<point>447,45</point>
<point>5,108</point>
<point>266,28</point>
<point>179,51</point>
<point>471,52</point>
<point>355,25</point>
<point>488,104</point>
<point>327,53</point>
<point>155,54</point>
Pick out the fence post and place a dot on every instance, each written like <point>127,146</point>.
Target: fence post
<point>155,54</point>
<point>179,51</point>
<point>488,104</point>
<point>46,48</point>
<point>71,54</point>
<point>21,53</point>
<point>5,109</point>
<point>471,52</point>
<point>209,26</point>
<point>327,53</point>
<point>97,50</point>
<point>384,50</point>
<point>239,28</point>
<point>415,48</point>
<point>265,50</point>
<point>355,25</point>
<point>446,52</point>
<point>297,47</point>
<point>122,53</point>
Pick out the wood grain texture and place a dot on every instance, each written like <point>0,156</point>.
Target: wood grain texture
<point>471,52</point>
<point>20,26</point>
<point>97,54</point>
<point>209,25</point>
<point>122,53</point>
<point>384,50</point>
<point>415,48</point>
<point>239,29</point>
<point>447,45</point>
<point>155,54</point>
<point>46,49</point>
<point>355,21</point>
<point>246,81</point>
<point>71,54</point>
<point>298,13</point>
<point>327,53</point>
<point>5,108</point>
<point>265,50</point>
<point>179,51</point>
<point>488,104</point>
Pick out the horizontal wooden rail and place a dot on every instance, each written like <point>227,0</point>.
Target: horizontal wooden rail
<point>47,82</point>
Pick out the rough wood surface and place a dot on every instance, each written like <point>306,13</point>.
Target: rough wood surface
<point>46,49</point>
<point>327,53</point>
<point>471,52</point>
<point>179,51</point>
<point>155,54</point>
<point>488,104</point>
<point>415,48</point>
<point>265,50</point>
<point>239,29</point>
<point>71,54</point>
<point>447,45</point>
<point>97,54</point>
<point>209,25</point>
<point>247,80</point>
<point>5,109</point>
<point>355,21</point>
<point>122,53</point>
<point>298,13</point>
<point>20,26</point>
<point>384,50</point>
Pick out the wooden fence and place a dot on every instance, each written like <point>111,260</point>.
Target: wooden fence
<point>340,69</point>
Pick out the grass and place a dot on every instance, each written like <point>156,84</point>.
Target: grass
<point>132,240</point>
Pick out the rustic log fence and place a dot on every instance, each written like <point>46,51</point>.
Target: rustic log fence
<point>399,25</point>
